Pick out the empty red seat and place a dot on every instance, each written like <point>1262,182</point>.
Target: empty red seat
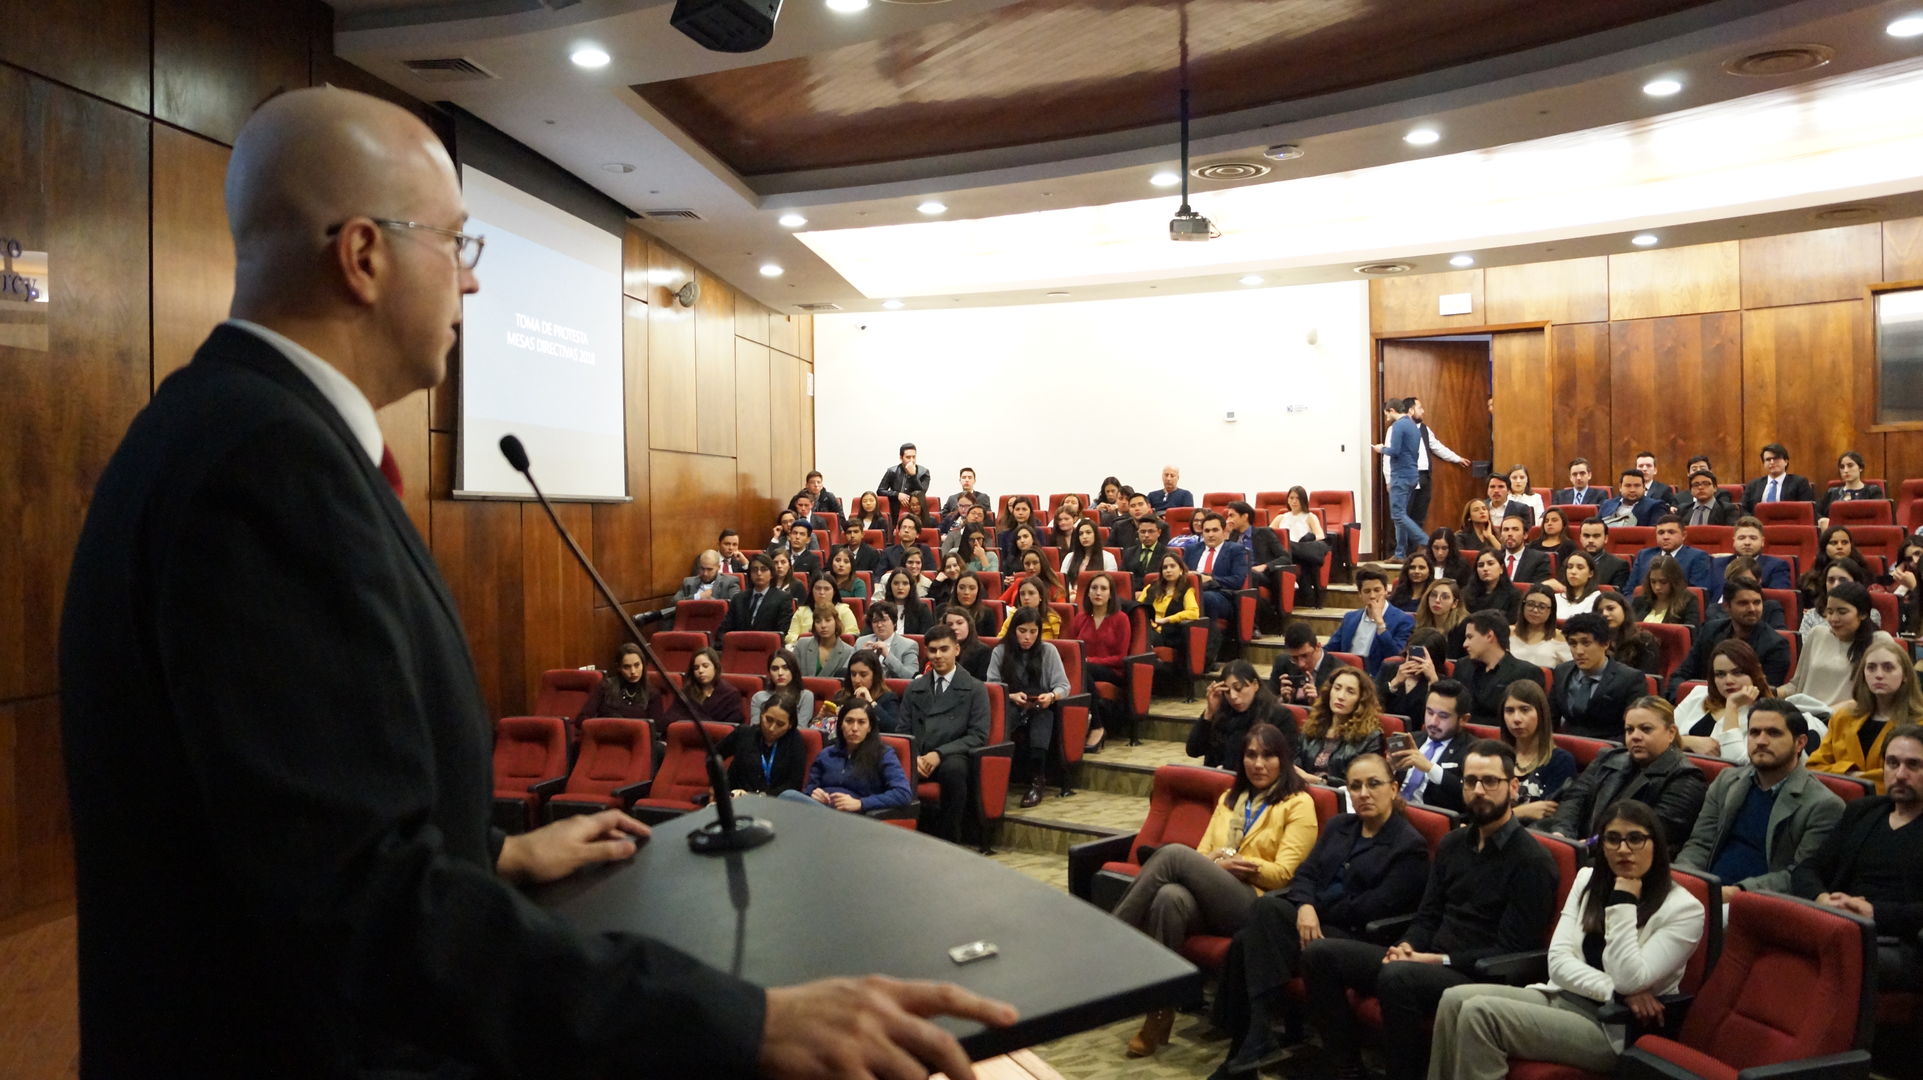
<point>1626,540</point>
<point>683,774</point>
<point>565,690</point>
<point>530,764</point>
<point>1715,539</point>
<point>1338,517</point>
<point>1584,750</point>
<point>1786,513</point>
<point>615,759</point>
<point>1180,803</point>
<point>1881,541</point>
<point>1795,543</point>
<point>1219,501</point>
<point>699,616</point>
<point>676,648</point>
<point>746,652</point>
<point>1908,513</point>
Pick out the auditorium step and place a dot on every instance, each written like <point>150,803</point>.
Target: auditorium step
<point>1060,823</point>
<point>1129,770</point>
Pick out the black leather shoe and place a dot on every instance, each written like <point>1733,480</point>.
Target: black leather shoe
<point>1034,796</point>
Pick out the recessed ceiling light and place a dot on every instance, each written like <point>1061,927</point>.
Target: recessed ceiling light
<point>933,206</point>
<point>1645,240</point>
<point>1463,260</point>
<point>1907,26</point>
<point>1662,87</point>
<point>1251,279</point>
<point>1283,152</point>
<point>793,221</point>
<point>770,269</point>
<point>1165,178</point>
<point>1423,137</point>
<point>847,7</point>
<point>1059,292</point>
<point>588,56</point>
<point>892,305</point>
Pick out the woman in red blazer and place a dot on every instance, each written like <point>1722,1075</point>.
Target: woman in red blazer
<point>1103,628</point>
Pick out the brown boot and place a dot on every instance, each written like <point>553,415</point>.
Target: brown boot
<point>1155,1029</point>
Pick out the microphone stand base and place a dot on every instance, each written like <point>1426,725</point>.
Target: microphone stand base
<point>748,832</point>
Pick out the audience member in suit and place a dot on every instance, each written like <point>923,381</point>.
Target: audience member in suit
<point>1486,668</point>
<point>863,556</point>
<point>1579,492</point>
<point>1377,630</point>
<point>1222,566</point>
<point>708,582</point>
<point>1850,468</point>
<point>1771,571</point>
<point>1777,484</point>
<point>801,559</point>
<point>1170,496</point>
<point>1656,489</point>
<point>1502,504</point>
<point>1366,865</point>
<point>1144,551</point>
<point>1663,597</point>
<point>825,501</point>
<point>823,654</point>
<point>1521,564</point>
<point>901,658</point>
<point>803,505</point>
<point>1235,703</point>
<point>1592,691</point>
<point>1268,557</point>
<point>766,756</point>
<point>1649,768</point>
<point>1545,769</point>
<point>1743,600</point>
<point>1762,818</point>
<point>1632,505</point>
<point>1610,569</point>
<point>951,507</point>
<point>1707,504</point>
<point>715,697</point>
<point>732,560</point>
<point>1139,509</point>
<point>945,711</point>
<point>762,605</point>
<point>1302,668</point>
<point>907,539</point>
<point>1429,770</point>
<point>903,478</point>
<point>1491,589</point>
<point>1697,568</point>
<point>1403,688</point>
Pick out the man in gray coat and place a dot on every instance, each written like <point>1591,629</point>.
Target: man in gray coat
<point>709,583</point>
<point>1761,819</point>
<point>946,713</point>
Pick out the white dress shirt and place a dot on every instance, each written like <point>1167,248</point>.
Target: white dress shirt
<point>340,392</point>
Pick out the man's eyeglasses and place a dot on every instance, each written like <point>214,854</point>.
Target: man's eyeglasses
<point>467,247</point>
<point>1489,783</point>
<point>1633,841</point>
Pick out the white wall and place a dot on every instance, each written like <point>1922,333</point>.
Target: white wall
<point>1053,397</point>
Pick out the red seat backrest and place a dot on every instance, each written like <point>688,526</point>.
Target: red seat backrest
<point>1847,788</point>
<point>1338,507</point>
<point>1327,804</point>
<point>1674,640</point>
<point>1786,513</point>
<point>1392,723</point>
<point>748,686</point>
<point>1070,651</point>
<point>1350,659</point>
<point>746,652</point>
<point>565,690</point>
<point>1626,540</point>
<point>615,752</point>
<point>1433,823</point>
<point>1568,858</point>
<point>904,749</point>
<point>1064,612</point>
<point>1906,501</point>
<point>1483,731</point>
<point>1712,768</point>
<point>1577,514</point>
<point>1583,750</point>
<point>676,648</point>
<point>1055,502</point>
<point>1180,804</point>
<point>823,689</point>
<point>1715,539</point>
<point>1219,501</point>
<point>528,749</point>
<point>1792,602</point>
<point>811,743</point>
<point>684,768</point>
<point>701,616</point>
<point>1862,512</point>
<point>1885,541</point>
<point>1270,503</point>
<point>1711,943</point>
<point>1797,542</point>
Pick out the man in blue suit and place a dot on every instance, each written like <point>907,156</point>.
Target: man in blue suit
<point>1771,572</point>
<point>1579,492</point>
<point>1403,449</point>
<point>1633,505</point>
<point>1376,630</point>
<point>1222,566</point>
<point>1698,570</point>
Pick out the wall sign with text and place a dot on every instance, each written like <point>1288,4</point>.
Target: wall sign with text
<point>25,295</point>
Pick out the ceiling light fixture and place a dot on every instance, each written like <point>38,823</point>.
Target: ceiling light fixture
<point>1662,87</point>
<point>1423,137</point>
<point>1165,178</point>
<point>1251,279</point>
<point>1645,240</point>
<point>847,7</point>
<point>1283,152</point>
<point>792,221</point>
<point>933,207</point>
<point>588,56</point>
<point>892,305</point>
<point>1463,260</point>
<point>1058,292</point>
<point>770,269</point>
<point>1907,26</point>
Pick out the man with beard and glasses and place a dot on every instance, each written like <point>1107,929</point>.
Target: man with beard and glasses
<point>1492,890</point>
<point>1760,819</point>
<point>1872,864</point>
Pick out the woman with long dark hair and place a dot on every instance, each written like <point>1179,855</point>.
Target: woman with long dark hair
<point>1172,605</point>
<point>841,571</point>
<point>1344,723</point>
<point>1634,645</point>
<point>1103,628</point>
<point>1491,589</point>
<point>1029,596</point>
<point>766,757</point>
<point>821,594</point>
<point>1477,532</point>
<point>1829,656</point>
<point>624,692</point>
<point>1714,717</point>
<point>1849,467</point>
<point>1448,558</point>
<point>1543,769</point>
<point>1261,830</point>
<point>974,655</point>
<point>1555,540</point>
<point>1034,681</point>
<point>1534,636</point>
<point>1084,552</point>
<point>1577,576</point>
<point>900,589</point>
<point>1833,545</point>
<point>783,683</point>
<point>857,773</point>
<point>866,683</point>
<point>1665,596</point>
<point>970,596</point>
<point>1626,933</point>
<point>718,700</point>
<point>1017,512</point>
<point>1839,572</point>
<point>1034,565</point>
<point>1061,532</point>
<point>1308,544</point>
<point>1443,611</point>
<point>1418,573</point>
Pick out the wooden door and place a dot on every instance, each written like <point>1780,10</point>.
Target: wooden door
<point>1452,377</point>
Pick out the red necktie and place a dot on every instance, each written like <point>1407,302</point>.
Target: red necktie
<point>390,470</point>
<point>1512,566</point>
<point>1208,564</point>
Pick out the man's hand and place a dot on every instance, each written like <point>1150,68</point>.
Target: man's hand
<point>1375,612</point>
<point>1045,699</point>
<point>1403,951</point>
<point>873,1026</point>
<point>1411,758</point>
<point>552,852</point>
<point>925,764</point>
<point>1855,905</point>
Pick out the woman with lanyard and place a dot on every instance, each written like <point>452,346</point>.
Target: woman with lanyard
<point>768,757</point>
<point>1260,832</point>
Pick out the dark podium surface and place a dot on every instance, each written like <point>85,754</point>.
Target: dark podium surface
<point>840,894</point>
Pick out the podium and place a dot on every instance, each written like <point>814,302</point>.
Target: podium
<point>840,894</point>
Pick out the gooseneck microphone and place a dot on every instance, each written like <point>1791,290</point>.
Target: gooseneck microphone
<point>728,833</point>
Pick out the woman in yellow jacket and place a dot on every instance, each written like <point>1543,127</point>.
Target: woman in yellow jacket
<point>822,593</point>
<point>1171,603</point>
<point>1028,594</point>
<point>1261,830</point>
<point>1884,696</point>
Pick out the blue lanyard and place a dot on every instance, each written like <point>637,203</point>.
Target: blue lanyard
<point>1252,812</point>
<point>768,765</point>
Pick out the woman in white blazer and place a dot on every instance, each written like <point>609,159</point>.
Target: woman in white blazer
<point>1626,931</point>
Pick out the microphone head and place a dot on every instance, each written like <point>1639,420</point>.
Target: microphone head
<point>514,452</point>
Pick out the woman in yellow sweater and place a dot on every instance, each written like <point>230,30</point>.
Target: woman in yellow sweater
<point>1885,695</point>
<point>1260,832</point>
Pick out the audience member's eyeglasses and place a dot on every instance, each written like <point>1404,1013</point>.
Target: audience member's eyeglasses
<point>1490,783</point>
<point>1360,786</point>
<point>1633,841</point>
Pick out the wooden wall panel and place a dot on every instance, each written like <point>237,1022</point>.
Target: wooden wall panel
<point>74,170</point>
<point>1800,385</point>
<point>754,475</point>
<point>478,546</point>
<point>1399,304</point>
<point>783,333</point>
<point>805,337</point>
<point>714,367</point>
<point>1569,291</point>
<point>193,252</point>
<point>1675,281</point>
<point>1810,267</point>
<point>215,61</point>
<point>686,493</point>
<point>750,318</point>
<point>623,531</point>
<point>104,49</point>
<point>557,597</point>
<point>806,408</point>
<point>36,835</point>
<point>634,264</point>
<point>1902,455</point>
<point>785,386</point>
<point>1579,405</point>
<point>671,353</point>
<point>1676,387</point>
<point>1522,419</point>
<point>1903,250</point>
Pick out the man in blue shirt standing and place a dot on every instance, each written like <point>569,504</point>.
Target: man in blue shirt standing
<point>1403,449</point>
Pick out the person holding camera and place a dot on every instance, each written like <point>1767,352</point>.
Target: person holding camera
<point>1303,666</point>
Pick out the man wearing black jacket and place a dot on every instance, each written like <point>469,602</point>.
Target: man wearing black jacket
<point>945,712</point>
<point>1142,555</point>
<point>1777,484</point>
<point>903,479</point>
<point>1743,600</point>
<point>1487,667</point>
<point>762,605</point>
<point>1592,691</point>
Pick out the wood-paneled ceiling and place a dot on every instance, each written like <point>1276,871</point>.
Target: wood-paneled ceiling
<point>1042,70</point>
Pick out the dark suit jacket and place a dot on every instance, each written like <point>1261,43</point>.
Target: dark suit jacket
<point>1774,571</point>
<point>1771,649</point>
<point>1602,716</point>
<point>953,723</point>
<point>865,558</point>
<point>1591,496</point>
<point>895,483</point>
<point>1672,785</point>
<point>1721,511</point>
<point>1610,569</point>
<point>893,555</point>
<point>1645,512</point>
<point>775,613</point>
<point>1521,509</point>
<point>1265,547</point>
<point>725,587</point>
<point>1662,492</point>
<point>1398,624</point>
<point>1532,566</point>
<point>1698,569</point>
<point>1793,489</point>
<point>1385,878</point>
<point>1231,564</point>
<point>293,697</point>
<point>1488,687</point>
<point>1132,562</point>
<point>1833,867</point>
<point>1448,793</point>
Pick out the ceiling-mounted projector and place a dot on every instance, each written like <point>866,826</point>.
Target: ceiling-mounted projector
<point>734,26</point>
<point>1189,225</point>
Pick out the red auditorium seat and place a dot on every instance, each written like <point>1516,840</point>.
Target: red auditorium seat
<point>747,686</point>
<point>1674,641</point>
<point>1055,501</point>
<point>1883,541</point>
<point>683,774</point>
<point>1862,512</point>
<point>564,691</point>
<point>1071,736</point>
<point>1792,602</point>
<point>1584,750</point>
<point>1626,540</point>
<point>1338,519</point>
<point>1179,807</point>
<point>530,763</point>
<point>1350,659</point>
<point>1847,788</point>
<point>1715,539</point>
<point>1907,513</point>
<point>1219,501</point>
<point>906,817</point>
<point>676,648</point>
<point>1888,607</point>
<point>1578,513</point>
<point>699,616</point>
<point>1270,503</point>
<point>616,758</point>
<point>1786,513</point>
<point>1138,670</point>
<point>746,652</point>
<point>1795,543</point>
